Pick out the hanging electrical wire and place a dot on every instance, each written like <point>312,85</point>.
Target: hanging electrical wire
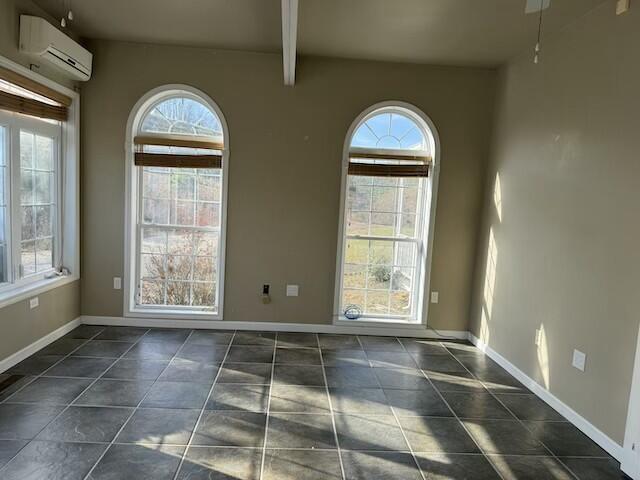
<point>536,50</point>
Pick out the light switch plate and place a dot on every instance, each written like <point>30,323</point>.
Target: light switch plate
<point>117,283</point>
<point>292,290</point>
<point>435,297</point>
<point>579,360</point>
<point>34,302</point>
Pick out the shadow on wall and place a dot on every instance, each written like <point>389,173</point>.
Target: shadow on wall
<point>489,287</point>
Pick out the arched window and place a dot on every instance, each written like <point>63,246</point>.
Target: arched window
<point>387,198</point>
<point>177,208</point>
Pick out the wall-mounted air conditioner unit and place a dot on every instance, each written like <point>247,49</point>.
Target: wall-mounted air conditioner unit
<point>39,37</point>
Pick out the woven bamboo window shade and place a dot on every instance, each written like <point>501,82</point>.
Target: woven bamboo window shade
<point>392,164</point>
<point>23,95</point>
<point>210,158</point>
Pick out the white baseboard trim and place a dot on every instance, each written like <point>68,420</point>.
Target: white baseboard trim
<point>420,332</point>
<point>591,431</point>
<point>39,344</point>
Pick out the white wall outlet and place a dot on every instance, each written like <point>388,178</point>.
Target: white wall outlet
<point>117,283</point>
<point>435,297</point>
<point>34,302</point>
<point>292,290</point>
<point>579,360</point>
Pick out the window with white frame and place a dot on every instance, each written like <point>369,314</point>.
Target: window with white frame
<point>31,128</point>
<point>179,160</point>
<point>385,225</point>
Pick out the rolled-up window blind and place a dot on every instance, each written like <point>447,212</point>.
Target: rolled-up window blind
<point>177,151</point>
<point>388,164</point>
<point>26,96</point>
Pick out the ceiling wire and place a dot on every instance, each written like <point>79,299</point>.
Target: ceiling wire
<point>536,51</point>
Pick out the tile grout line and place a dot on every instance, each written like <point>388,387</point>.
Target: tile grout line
<point>135,409</point>
<point>64,357</point>
<point>266,425</point>
<point>66,407</point>
<point>495,397</point>
<point>331,412</point>
<point>204,406</point>
<point>484,454</point>
<point>393,412</point>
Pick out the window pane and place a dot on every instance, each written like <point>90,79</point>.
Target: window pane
<point>28,257</point>
<point>182,212</point>
<point>204,294</point>
<point>44,254</point>
<point>180,242</point>
<point>26,149</point>
<point>154,240</point>
<point>43,191</point>
<point>355,276</point>
<point>400,303</point>
<point>379,277</point>
<point>209,187</point>
<point>357,251</point>
<point>152,293</point>
<point>28,223</point>
<point>43,222</point>
<point>179,267</point>
<point>381,252</point>
<point>44,153</point>
<point>182,116</point>
<point>178,293</point>
<point>37,198</point>
<point>206,243</point>
<point>153,266</point>
<point>208,214</point>
<point>383,224</point>
<point>353,297</point>
<point>358,223</point>
<point>204,269</point>
<point>377,302</point>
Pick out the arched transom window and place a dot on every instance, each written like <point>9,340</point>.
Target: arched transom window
<point>384,234</point>
<point>179,163</point>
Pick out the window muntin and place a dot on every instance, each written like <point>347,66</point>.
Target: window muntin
<point>390,130</point>
<point>179,213</point>
<point>383,245</point>
<point>182,115</point>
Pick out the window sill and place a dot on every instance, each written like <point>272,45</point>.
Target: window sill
<point>173,314</point>
<point>379,322</point>
<point>18,294</point>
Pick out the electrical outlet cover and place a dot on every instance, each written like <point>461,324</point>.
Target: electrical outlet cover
<point>292,290</point>
<point>579,360</point>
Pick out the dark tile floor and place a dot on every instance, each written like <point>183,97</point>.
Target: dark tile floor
<point>135,403</point>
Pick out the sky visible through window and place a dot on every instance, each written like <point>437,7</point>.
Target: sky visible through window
<point>391,131</point>
<point>182,116</point>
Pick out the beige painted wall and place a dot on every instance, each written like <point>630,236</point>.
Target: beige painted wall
<point>565,217</point>
<point>285,157</point>
<point>19,325</point>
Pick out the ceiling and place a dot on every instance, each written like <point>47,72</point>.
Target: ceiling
<point>448,32</point>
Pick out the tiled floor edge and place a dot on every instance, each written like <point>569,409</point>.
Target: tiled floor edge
<point>594,433</point>
<point>39,344</point>
<point>418,331</point>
